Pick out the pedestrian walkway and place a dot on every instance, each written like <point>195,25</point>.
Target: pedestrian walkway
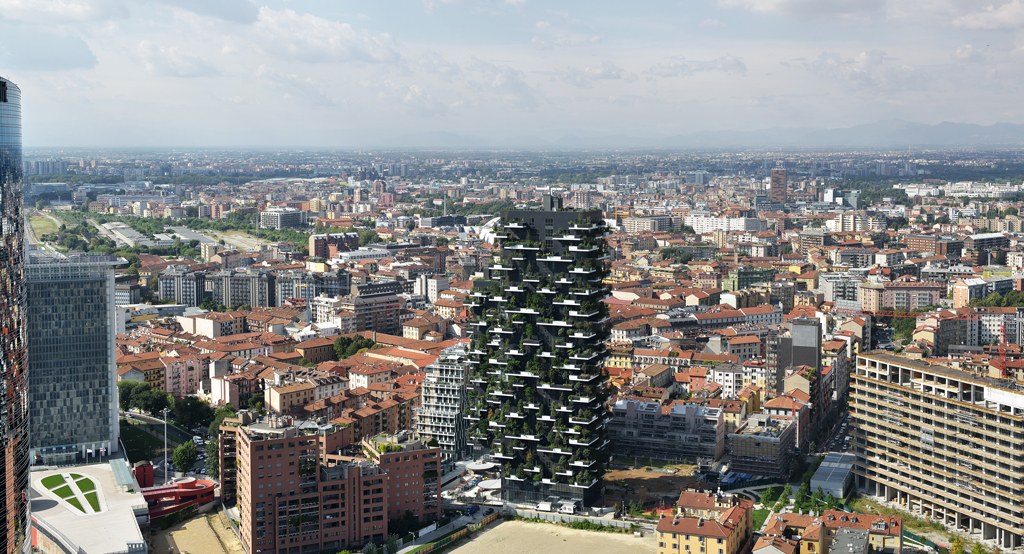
<point>459,523</point>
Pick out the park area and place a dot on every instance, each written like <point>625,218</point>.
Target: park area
<point>42,225</point>
<point>199,535</point>
<point>514,537</point>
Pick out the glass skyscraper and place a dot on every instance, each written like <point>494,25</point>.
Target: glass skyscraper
<point>72,375</point>
<point>13,364</point>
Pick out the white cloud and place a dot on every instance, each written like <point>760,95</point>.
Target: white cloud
<point>566,31</point>
<point>681,66</point>
<point>1009,15</point>
<point>311,38</point>
<point>807,7</point>
<point>711,23</point>
<point>606,71</point>
<point>505,82</point>
<point>60,11</point>
<point>242,11</point>
<point>172,62</point>
<point>967,53</point>
<point>873,70</point>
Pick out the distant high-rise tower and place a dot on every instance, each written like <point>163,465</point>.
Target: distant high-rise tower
<point>13,363</point>
<point>778,191</point>
<point>71,322</point>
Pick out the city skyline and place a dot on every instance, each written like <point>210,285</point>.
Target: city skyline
<point>499,73</point>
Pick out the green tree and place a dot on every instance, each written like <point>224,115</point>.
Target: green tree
<point>190,412</point>
<point>769,496</point>
<point>903,327</point>
<point>957,547</point>
<point>212,459</point>
<point>367,236</point>
<point>978,549</point>
<point>151,400</point>
<point>255,403</point>
<point>219,414</point>
<point>185,456</point>
<point>125,391</point>
<point>346,347</point>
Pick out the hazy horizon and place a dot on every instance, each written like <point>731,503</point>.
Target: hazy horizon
<point>503,73</point>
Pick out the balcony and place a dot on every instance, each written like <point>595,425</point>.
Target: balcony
<point>583,442</point>
<point>549,386</point>
<point>582,378</point>
<point>582,463</point>
<point>575,421</point>
<point>554,450</point>
<point>574,248</point>
<point>582,399</point>
<point>574,313</point>
<point>523,438</point>
<point>555,259</point>
<point>568,238</point>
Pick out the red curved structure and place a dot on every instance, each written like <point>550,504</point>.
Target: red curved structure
<point>173,497</point>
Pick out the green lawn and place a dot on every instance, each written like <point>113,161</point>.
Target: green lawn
<point>63,492</point>
<point>94,502</point>
<point>53,481</point>
<point>85,484</point>
<point>74,502</point>
<point>759,518</point>
<point>140,444</point>
<point>42,225</point>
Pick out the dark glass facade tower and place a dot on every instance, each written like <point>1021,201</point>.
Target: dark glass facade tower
<point>536,395</point>
<point>71,324</point>
<point>13,383</point>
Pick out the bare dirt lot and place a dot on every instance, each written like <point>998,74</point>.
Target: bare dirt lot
<point>515,537</point>
<point>201,535</point>
<point>646,485</point>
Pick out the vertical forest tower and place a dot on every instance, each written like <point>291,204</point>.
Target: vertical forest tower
<point>536,394</point>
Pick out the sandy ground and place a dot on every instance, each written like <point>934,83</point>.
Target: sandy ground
<point>238,239</point>
<point>201,535</point>
<point>516,537</point>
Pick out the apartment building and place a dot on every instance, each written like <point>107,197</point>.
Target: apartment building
<point>182,285</point>
<point>941,441</point>
<point>414,474</point>
<point>707,523</point>
<point>764,445</point>
<point>443,403</point>
<point>676,432</point>
<point>293,497</point>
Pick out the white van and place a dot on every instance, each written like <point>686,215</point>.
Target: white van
<point>569,508</point>
<point>545,507</point>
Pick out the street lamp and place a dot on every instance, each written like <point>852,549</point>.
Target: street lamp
<point>164,411</point>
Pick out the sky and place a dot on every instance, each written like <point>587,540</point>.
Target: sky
<point>338,73</point>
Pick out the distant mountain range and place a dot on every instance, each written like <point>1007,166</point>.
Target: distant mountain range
<point>882,134</point>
